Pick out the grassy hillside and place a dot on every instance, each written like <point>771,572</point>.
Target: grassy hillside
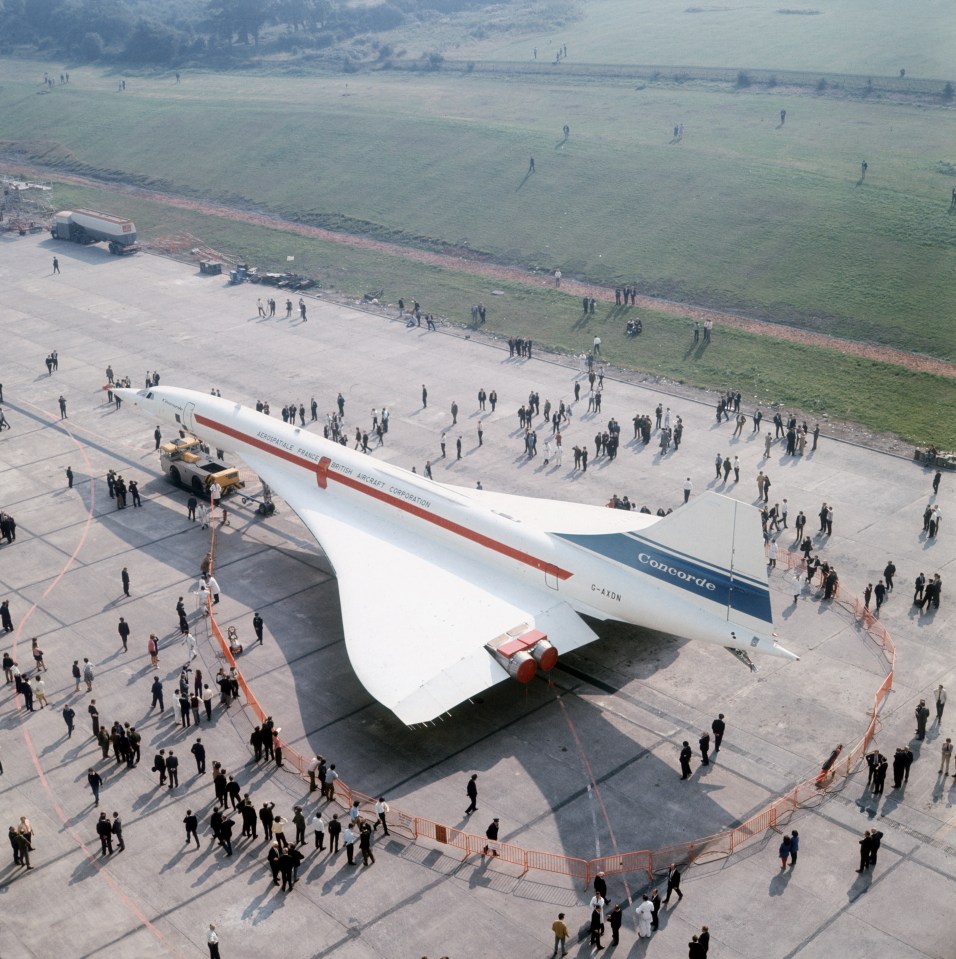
<point>741,214</point>
<point>868,37</point>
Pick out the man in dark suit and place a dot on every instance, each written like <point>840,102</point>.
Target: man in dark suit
<point>191,823</point>
<point>866,845</point>
<point>172,767</point>
<point>159,766</point>
<point>876,838</point>
<point>717,728</point>
<point>199,751</point>
<point>673,883</point>
<point>105,831</point>
<point>472,790</point>
<point>685,755</point>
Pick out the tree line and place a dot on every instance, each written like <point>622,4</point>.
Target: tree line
<point>170,32</point>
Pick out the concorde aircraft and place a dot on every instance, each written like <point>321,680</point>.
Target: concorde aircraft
<point>446,591</point>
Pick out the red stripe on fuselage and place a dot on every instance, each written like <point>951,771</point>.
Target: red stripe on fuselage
<point>390,500</point>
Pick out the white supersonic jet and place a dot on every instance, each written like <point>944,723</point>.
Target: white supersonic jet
<point>446,591</point>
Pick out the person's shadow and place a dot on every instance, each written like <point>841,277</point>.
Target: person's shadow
<point>522,183</point>
<point>779,883</point>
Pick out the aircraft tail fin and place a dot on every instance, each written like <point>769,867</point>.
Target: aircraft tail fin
<point>714,544</point>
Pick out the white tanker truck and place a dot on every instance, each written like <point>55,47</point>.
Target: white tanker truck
<point>88,226</point>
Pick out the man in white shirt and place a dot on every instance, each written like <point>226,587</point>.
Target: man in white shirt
<point>212,940</point>
<point>381,809</point>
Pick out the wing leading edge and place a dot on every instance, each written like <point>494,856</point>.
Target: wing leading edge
<point>416,627</point>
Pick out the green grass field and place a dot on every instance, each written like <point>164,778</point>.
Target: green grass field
<point>868,37</point>
<point>741,215</point>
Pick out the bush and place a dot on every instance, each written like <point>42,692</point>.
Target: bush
<point>821,85</point>
<point>948,92</point>
<point>743,80</point>
<point>772,81</point>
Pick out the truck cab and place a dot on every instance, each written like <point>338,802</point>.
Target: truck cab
<point>185,463</point>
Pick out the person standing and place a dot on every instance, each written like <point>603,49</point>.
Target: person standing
<point>596,928</point>
<point>69,478</point>
<point>615,917</point>
<point>348,838</point>
<point>472,790</point>
<point>866,844</point>
<point>124,576</point>
<point>159,766</point>
<point>784,852</point>
<point>940,697</point>
<point>68,716</point>
<point>94,717</point>
<point>318,828</point>
<point>257,626</point>
<point>212,940</point>
<point>157,690</point>
<point>172,768</point>
<point>876,837</point>
<point>88,675</point>
<point>685,756</point>
<point>225,834</point>
<point>922,714</point>
<point>946,756</point>
<point>298,820</point>
<point>704,743</point>
<point>335,831</point>
<point>794,848</point>
<point>95,781</point>
<point>199,751</point>
<point>105,831</point>
<point>56,265</point>
<point>656,903</point>
<point>560,930</point>
<point>365,844</point>
<point>117,830</point>
<point>703,940</point>
<point>152,647</point>
<point>645,912</point>
<point>424,397</point>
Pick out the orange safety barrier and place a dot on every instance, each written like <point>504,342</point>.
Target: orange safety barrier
<point>649,863</point>
<point>622,863</point>
<point>561,865</point>
<point>443,835</point>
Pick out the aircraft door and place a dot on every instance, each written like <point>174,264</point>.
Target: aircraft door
<point>550,577</point>
<point>187,417</point>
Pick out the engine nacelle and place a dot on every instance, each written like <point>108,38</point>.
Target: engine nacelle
<point>522,651</point>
